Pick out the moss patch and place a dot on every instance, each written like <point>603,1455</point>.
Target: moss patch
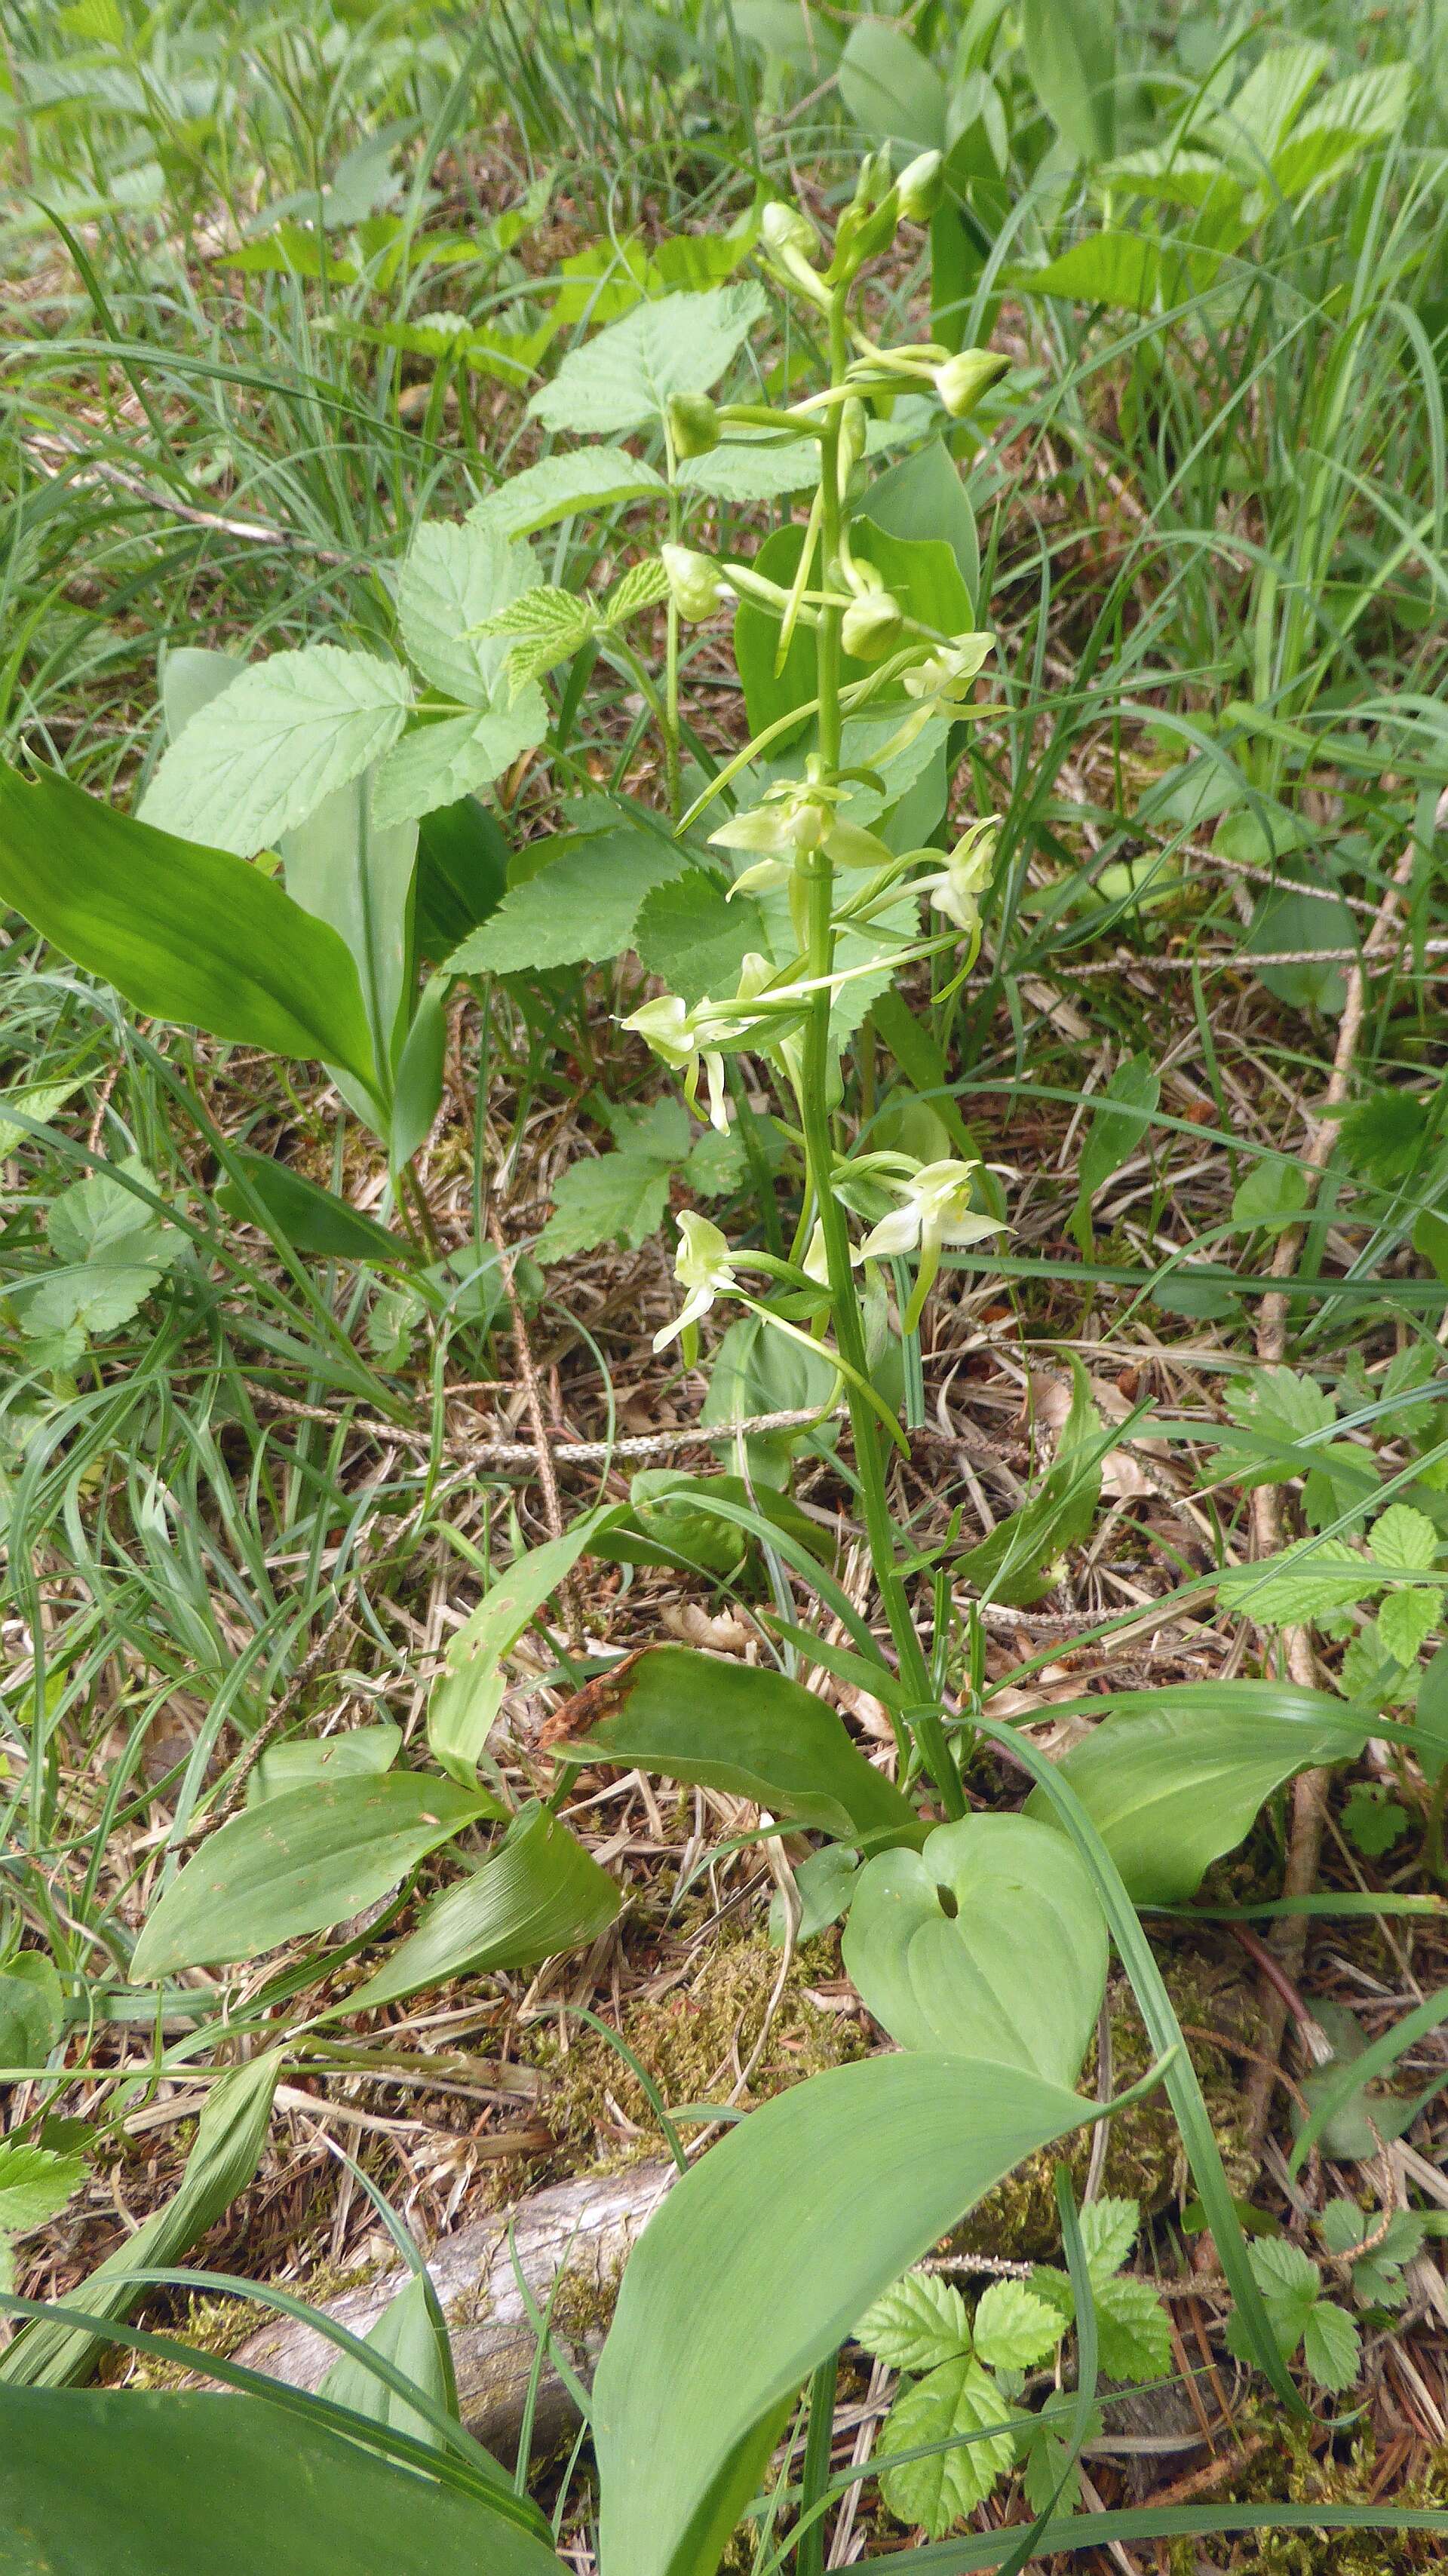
<point>1289,2472</point>
<point>688,2040</point>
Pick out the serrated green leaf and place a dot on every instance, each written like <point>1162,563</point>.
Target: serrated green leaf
<point>442,762</point>
<point>34,2184</point>
<point>626,375</point>
<point>1407,1619</point>
<point>1313,1576</point>
<point>1132,2329</point>
<point>37,1101</point>
<point>644,585</point>
<point>617,1198</point>
<point>918,2322</point>
<point>696,938</point>
<point>578,909</point>
<point>586,478</point>
<point>1109,2229</point>
<point>957,2398</point>
<point>113,1250</point>
<point>1404,1540</point>
<point>1331,2346</point>
<point>455,581</point>
<point>1014,2329</point>
<point>283,736</point>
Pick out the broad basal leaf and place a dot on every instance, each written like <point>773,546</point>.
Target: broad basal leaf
<point>298,1864</point>
<point>822,2198</point>
<point>185,932</point>
<point>1070,53</point>
<point>263,755</point>
<point>113,2483</point>
<point>989,1942</point>
<point>756,1733</point>
<point>541,1893</point>
<point>890,89</point>
<point>1171,1779</point>
<point>625,376</point>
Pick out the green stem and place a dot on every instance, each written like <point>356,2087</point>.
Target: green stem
<point>819,1080</point>
<point>673,770</point>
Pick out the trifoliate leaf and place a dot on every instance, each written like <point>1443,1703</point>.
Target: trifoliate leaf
<point>957,2398</point>
<point>586,478</point>
<point>1108,2232</point>
<point>34,2184</point>
<point>1132,2329</point>
<point>1331,2346</point>
<point>917,2324</point>
<point>1013,2329</point>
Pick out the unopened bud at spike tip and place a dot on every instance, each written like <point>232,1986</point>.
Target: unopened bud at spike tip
<point>963,379</point>
<point>921,187</point>
<point>693,424</point>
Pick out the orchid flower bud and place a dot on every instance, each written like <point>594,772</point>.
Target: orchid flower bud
<point>854,431</point>
<point>693,424</point>
<point>872,625</point>
<point>694,584</point>
<point>785,228</point>
<point>921,187</point>
<point>965,378</point>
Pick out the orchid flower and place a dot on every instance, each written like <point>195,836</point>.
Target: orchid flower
<point>936,1211</point>
<point>679,1037</point>
<point>956,889</point>
<point>703,1267</point>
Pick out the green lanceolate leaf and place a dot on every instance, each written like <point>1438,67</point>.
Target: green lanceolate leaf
<point>988,1942</point>
<point>1015,1562</point>
<point>364,1752</point>
<point>296,1212</point>
<point>267,751</point>
<point>185,932</point>
<point>352,872</point>
<point>1070,53</point>
<point>467,1698</point>
<point>1171,1779</point>
<point>298,1864</point>
<point>541,1893</point>
<point>114,2483</point>
<point>230,2136</point>
<point>733,1726</point>
<point>1118,1123</point>
<point>823,2198</point>
<point>890,89</point>
<point>407,2334</point>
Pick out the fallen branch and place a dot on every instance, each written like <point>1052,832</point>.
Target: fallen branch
<point>570,2244</point>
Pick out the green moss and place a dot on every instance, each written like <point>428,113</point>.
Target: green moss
<point>1287,2471</point>
<point>689,2039</point>
<point>1144,2158</point>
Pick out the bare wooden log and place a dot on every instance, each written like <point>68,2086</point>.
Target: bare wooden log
<point>581,2230</point>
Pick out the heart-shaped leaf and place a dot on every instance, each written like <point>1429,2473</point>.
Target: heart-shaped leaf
<point>984,1945</point>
